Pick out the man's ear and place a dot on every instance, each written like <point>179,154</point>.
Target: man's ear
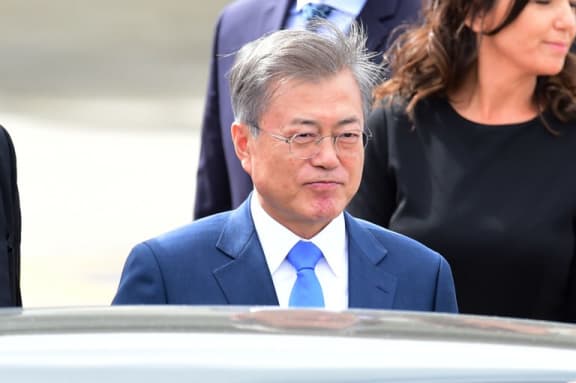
<point>241,138</point>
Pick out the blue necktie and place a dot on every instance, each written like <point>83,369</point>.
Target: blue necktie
<point>307,291</point>
<point>315,11</point>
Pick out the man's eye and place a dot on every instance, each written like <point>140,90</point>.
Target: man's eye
<point>349,137</point>
<point>304,138</point>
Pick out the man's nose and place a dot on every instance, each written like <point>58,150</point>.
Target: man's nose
<point>327,155</point>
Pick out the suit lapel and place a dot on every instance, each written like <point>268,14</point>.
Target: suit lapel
<point>369,284</point>
<point>274,15</point>
<point>255,21</point>
<point>378,17</point>
<point>245,280</point>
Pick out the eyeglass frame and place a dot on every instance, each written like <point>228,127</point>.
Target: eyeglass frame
<point>366,135</point>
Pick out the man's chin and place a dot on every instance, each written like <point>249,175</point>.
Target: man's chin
<point>326,210</point>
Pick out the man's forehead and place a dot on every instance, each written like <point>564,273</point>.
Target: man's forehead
<point>341,120</point>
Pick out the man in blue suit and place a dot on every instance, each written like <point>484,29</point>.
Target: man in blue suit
<point>300,100</point>
<point>9,225</point>
<point>221,183</point>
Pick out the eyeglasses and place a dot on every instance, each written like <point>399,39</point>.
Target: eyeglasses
<point>307,144</point>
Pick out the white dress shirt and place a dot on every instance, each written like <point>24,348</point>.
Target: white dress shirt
<point>332,270</point>
<point>345,11</point>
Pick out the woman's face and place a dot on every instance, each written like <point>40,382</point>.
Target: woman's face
<point>535,43</point>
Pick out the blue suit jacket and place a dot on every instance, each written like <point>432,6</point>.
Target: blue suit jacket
<point>218,260</point>
<point>221,183</point>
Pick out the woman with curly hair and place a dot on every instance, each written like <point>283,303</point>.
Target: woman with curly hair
<point>474,151</point>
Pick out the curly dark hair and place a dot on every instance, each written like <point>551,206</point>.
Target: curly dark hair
<point>433,58</point>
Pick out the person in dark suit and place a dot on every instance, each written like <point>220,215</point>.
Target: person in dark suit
<point>9,225</point>
<point>300,100</point>
<point>221,183</point>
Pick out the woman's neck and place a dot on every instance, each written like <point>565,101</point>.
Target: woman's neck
<point>495,97</point>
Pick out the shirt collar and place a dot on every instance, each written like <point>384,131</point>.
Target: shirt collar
<point>346,6</point>
<point>276,240</point>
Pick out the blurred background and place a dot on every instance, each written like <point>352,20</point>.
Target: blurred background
<point>103,100</point>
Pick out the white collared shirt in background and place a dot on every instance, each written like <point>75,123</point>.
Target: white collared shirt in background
<point>345,11</point>
<point>332,270</point>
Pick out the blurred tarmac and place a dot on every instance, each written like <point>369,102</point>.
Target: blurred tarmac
<point>103,101</point>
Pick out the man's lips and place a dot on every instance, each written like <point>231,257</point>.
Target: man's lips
<point>323,185</point>
<point>323,182</point>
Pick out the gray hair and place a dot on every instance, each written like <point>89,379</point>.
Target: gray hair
<point>263,64</point>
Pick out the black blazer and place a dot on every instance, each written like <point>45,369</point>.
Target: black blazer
<point>221,183</point>
<point>10,225</point>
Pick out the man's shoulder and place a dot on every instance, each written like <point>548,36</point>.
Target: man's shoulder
<point>394,242</point>
<point>5,141</point>
<point>197,234</point>
<point>7,167</point>
<point>3,133</point>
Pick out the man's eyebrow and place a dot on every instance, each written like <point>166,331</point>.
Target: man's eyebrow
<point>306,121</point>
<point>303,121</point>
<point>348,121</point>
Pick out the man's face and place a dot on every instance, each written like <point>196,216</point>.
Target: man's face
<point>304,195</point>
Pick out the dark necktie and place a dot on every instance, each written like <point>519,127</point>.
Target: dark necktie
<point>307,291</point>
<point>315,11</point>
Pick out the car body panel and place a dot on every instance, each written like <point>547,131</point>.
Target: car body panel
<point>243,344</point>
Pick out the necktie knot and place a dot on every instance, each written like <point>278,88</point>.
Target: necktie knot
<point>306,291</point>
<point>304,255</point>
<point>316,11</point>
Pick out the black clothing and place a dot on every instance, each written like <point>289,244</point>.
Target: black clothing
<point>499,202</point>
<point>9,225</point>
